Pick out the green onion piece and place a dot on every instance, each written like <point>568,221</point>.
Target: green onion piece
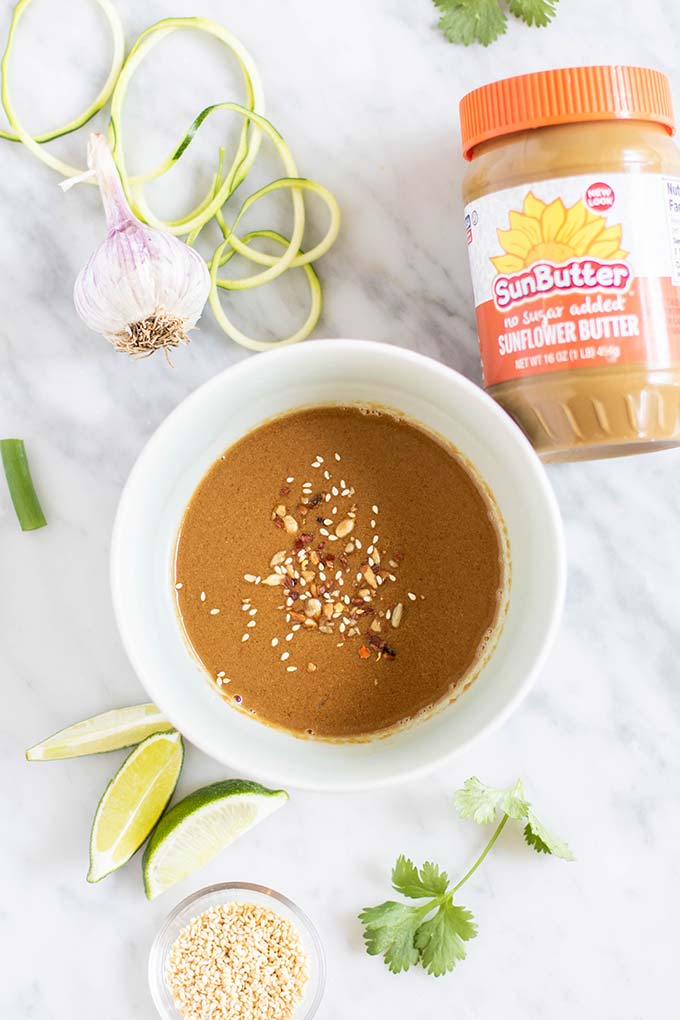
<point>18,475</point>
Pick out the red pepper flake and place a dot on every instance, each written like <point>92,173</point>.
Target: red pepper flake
<point>306,537</point>
<point>398,556</point>
<point>364,653</point>
<point>315,500</point>
<point>278,522</point>
<point>284,491</point>
<point>381,646</point>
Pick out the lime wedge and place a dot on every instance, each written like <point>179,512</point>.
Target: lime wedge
<point>195,829</point>
<point>133,802</point>
<point>107,732</point>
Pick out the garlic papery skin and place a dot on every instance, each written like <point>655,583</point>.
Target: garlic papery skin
<point>142,289</point>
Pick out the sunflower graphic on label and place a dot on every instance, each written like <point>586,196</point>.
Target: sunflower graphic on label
<point>550,248</point>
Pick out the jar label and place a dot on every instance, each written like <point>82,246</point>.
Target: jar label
<point>578,272</point>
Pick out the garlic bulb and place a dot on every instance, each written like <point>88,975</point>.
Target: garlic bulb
<point>142,289</point>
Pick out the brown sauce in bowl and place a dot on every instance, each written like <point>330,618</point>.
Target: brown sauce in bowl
<point>338,571</point>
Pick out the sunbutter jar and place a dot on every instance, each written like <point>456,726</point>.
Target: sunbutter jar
<point>572,215</point>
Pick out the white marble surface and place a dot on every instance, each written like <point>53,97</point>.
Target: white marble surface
<point>366,93</point>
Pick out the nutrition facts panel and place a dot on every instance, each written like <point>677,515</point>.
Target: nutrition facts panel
<point>671,187</point>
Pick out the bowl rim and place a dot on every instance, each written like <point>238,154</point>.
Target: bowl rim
<point>207,894</point>
<point>555,539</point>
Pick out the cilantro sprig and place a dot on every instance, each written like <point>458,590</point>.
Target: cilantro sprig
<point>434,933</point>
<point>483,21</point>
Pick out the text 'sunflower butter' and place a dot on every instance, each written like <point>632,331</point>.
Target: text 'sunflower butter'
<point>573,226</point>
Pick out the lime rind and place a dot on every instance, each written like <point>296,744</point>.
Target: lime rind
<point>109,731</point>
<point>198,827</point>
<point>104,863</point>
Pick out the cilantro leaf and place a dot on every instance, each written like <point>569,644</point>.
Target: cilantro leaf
<point>484,21</point>
<point>543,842</point>
<point>430,881</point>
<point>514,803</point>
<point>390,929</point>
<point>468,21</point>
<point>477,801</point>
<point>534,12</point>
<point>441,940</point>
<point>480,802</point>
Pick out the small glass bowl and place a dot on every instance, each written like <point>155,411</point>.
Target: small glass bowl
<point>235,892</point>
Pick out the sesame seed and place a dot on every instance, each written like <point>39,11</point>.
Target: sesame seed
<point>178,586</point>
<point>327,475</point>
<point>250,578</point>
<point>245,637</point>
<point>374,509</point>
<point>284,656</point>
<point>289,637</point>
<point>275,642</point>
<point>214,612</point>
<point>337,456</point>
<point>251,623</point>
<point>412,596</point>
<point>291,479</point>
<point>237,961</point>
<point>252,612</point>
<point>202,596</point>
<point>291,669</point>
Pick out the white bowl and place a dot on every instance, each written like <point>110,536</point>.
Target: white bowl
<point>213,418</point>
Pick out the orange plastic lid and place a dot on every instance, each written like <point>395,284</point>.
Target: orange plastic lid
<point>565,95</point>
